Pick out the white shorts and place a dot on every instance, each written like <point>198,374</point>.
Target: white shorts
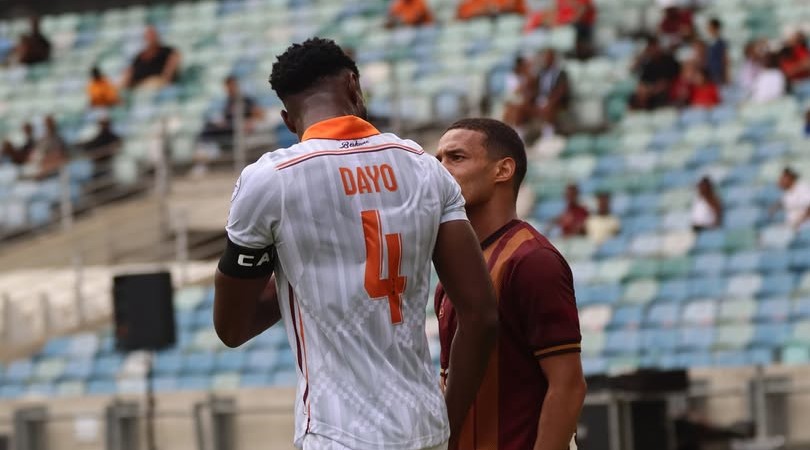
<point>318,442</point>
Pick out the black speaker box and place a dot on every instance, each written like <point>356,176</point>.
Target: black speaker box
<point>143,309</point>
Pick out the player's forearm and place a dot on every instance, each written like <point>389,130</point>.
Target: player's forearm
<point>469,356</point>
<point>268,312</point>
<point>240,313</point>
<point>558,420</point>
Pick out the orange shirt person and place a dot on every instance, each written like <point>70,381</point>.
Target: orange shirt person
<point>469,9</point>
<point>409,12</point>
<point>101,92</point>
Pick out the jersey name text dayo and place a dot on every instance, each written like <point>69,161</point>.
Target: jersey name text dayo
<point>368,179</point>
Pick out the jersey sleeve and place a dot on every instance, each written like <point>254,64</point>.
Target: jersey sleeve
<point>541,290</point>
<point>255,208</point>
<point>452,200</point>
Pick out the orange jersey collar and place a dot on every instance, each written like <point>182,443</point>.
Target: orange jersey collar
<point>341,128</point>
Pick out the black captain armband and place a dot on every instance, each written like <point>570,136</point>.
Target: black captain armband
<point>242,262</point>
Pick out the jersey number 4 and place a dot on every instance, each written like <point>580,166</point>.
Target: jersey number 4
<point>378,287</point>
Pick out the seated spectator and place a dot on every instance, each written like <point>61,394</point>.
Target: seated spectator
<point>676,27</point>
<point>751,65</point>
<point>795,199</point>
<point>517,89</point>
<point>21,155</point>
<point>102,147</point>
<point>155,66</point>
<point>409,13</point>
<point>657,69</point>
<point>550,93</point>
<point>100,91</point>
<point>717,53</point>
<point>470,9</point>
<point>795,58</point>
<point>770,83</point>
<point>33,47</point>
<point>572,220</point>
<point>49,154</point>
<point>603,225</point>
<point>680,93</point>
<point>581,14</point>
<point>707,210</point>
<point>704,92</point>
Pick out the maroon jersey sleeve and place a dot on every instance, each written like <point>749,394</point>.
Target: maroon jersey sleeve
<point>540,289</point>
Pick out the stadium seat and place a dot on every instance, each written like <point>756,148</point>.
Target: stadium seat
<point>623,342</point>
<point>663,315</point>
<point>595,318</point>
<point>734,336</point>
<point>660,340</point>
<point>771,335</point>
<point>699,313</point>
<point>593,343</point>
<point>629,317</point>
<point>696,338</point>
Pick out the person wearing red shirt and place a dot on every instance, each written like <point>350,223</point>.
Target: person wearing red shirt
<point>579,13</point>
<point>795,58</point>
<point>704,92</point>
<point>409,12</point>
<point>572,220</point>
<point>534,388</point>
<point>469,9</point>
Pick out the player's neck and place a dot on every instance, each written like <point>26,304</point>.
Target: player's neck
<point>320,107</point>
<point>490,217</point>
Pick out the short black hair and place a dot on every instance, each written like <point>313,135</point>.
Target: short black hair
<point>714,22</point>
<point>302,65</point>
<point>501,141</point>
<point>789,171</point>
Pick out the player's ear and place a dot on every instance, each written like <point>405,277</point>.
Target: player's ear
<point>286,118</point>
<point>504,170</point>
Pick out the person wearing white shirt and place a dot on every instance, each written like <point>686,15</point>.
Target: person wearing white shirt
<point>795,199</point>
<point>770,83</point>
<point>603,225</point>
<point>707,210</point>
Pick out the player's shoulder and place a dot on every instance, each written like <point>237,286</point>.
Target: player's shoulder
<point>535,249</point>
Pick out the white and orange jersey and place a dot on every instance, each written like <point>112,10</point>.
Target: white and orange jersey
<point>353,215</point>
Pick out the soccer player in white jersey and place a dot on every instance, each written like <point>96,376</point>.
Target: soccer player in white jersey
<point>347,222</point>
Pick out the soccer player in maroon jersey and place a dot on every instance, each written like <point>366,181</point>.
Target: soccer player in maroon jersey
<point>534,388</point>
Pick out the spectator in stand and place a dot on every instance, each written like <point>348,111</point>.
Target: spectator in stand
<point>550,93</point>
<point>680,94</point>
<point>33,47</point>
<point>21,155</point>
<point>8,153</point>
<point>704,92</point>
<point>518,87</point>
<point>581,14</point>
<point>470,9</point>
<point>49,154</point>
<point>101,92</point>
<point>603,225</point>
<point>677,26</point>
<point>751,66</point>
<point>408,13</point>
<point>717,53</point>
<point>155,66</point>
<point>795,199</point>
<point>795,58</point>
<point>770,83</point>
<point>707,209</point>
<point>572,220</point>
<point>657,69</point>
<point>102,147</point>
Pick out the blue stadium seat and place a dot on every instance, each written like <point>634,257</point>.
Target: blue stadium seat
<point>78,369</point>
<point>229,361</point>
<point>730,358</point>
<point>11,391</point>
<point>198,363</point>
<point>19,371</point>
<point>194,382</point>
<point>707,286</point>
<point>259,360</point>
<point>101,387</point>
<point>166,383</point>
<point>800,259</point>
<point>710,240</point>
<point>693,359</point>
<point>286,360</point>
<point>622,342</point>
<point>662,315</point>
<point>627,317</point>
<point>761,356</point>
<point>775,309</point>
<point>56,346</point>
<point>781,283</point>
<point>107,366</point>
<point>771,335</point>
<point>748,216</point>
<point>660,340</point>
<point>674,290</point>
<point>774,261</point>
<point>696,338</point>
<point>801,308</point>
<point>285,378</point>
<point>254,379</point>
<point>743,262</point>
<point>594,365</point>
<point>709,264</point>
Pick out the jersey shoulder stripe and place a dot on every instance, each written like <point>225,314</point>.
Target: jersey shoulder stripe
<point>340,152</point>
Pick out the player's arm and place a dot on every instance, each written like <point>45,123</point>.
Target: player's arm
<point>245,301</point>
<point>463,273</point>
<point>563,401</point>
<point>541,292</point>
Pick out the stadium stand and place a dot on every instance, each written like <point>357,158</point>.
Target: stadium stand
<point>657,295</point>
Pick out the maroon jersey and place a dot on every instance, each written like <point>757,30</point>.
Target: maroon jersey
<point>538,318</point>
